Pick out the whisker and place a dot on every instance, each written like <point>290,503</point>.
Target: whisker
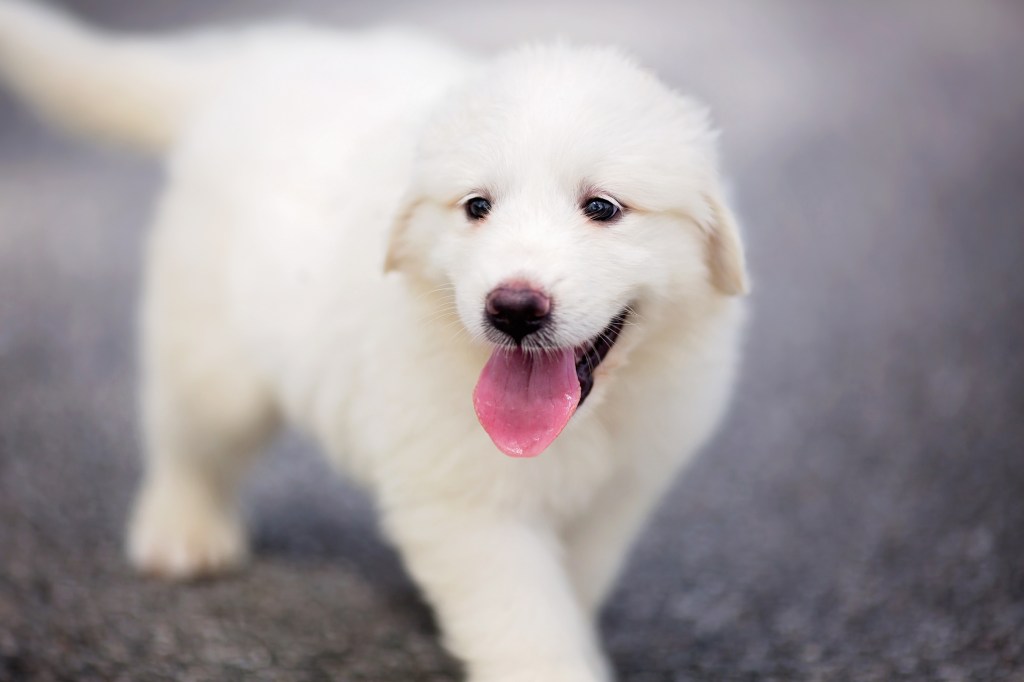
<point>459,330</point>
<point>437,314</point>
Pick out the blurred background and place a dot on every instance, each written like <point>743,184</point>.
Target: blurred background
<point>859,517</point>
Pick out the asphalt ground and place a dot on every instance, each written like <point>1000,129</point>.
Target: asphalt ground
<point>860,516</point>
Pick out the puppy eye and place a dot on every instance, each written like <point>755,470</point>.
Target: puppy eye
<point>601,210</point>
<point>477,208</point>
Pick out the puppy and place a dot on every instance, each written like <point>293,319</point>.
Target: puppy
<point>502,295</point>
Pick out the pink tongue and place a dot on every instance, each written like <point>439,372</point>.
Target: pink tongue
<point>523,401</point>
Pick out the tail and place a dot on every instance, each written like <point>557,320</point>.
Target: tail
<point>130,90</point>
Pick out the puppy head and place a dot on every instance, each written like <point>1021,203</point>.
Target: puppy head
<point>559,189</point>
<point>576,171</point>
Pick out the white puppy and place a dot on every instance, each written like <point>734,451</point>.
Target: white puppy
<point>439,268</point>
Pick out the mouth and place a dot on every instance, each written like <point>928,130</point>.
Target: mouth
<point>525,397</point>
<point>589,356</point>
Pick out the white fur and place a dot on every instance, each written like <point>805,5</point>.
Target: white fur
<point>301,160</point>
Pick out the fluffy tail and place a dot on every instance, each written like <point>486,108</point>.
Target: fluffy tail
<point>125,89</point>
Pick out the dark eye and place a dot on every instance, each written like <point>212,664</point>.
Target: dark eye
<point>477,208</point>
<point>600,210</point>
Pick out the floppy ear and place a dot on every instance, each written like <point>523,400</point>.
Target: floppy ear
<point>398,255</point>
<point>726,262</point>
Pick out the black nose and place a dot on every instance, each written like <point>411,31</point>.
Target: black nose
<point>518,311</point>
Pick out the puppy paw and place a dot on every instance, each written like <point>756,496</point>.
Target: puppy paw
<point>179,534</point>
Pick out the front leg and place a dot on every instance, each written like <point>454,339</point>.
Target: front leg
<point>501,593</point>
<point>599,541</point>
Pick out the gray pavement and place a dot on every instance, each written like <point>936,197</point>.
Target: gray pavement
<point>859,517</point>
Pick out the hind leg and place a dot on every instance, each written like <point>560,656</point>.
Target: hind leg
<point>205,412</point>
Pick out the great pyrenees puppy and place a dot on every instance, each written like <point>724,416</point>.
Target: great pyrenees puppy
<point>503,295</point>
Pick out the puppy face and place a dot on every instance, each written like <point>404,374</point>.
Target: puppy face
<point>558,192</point>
